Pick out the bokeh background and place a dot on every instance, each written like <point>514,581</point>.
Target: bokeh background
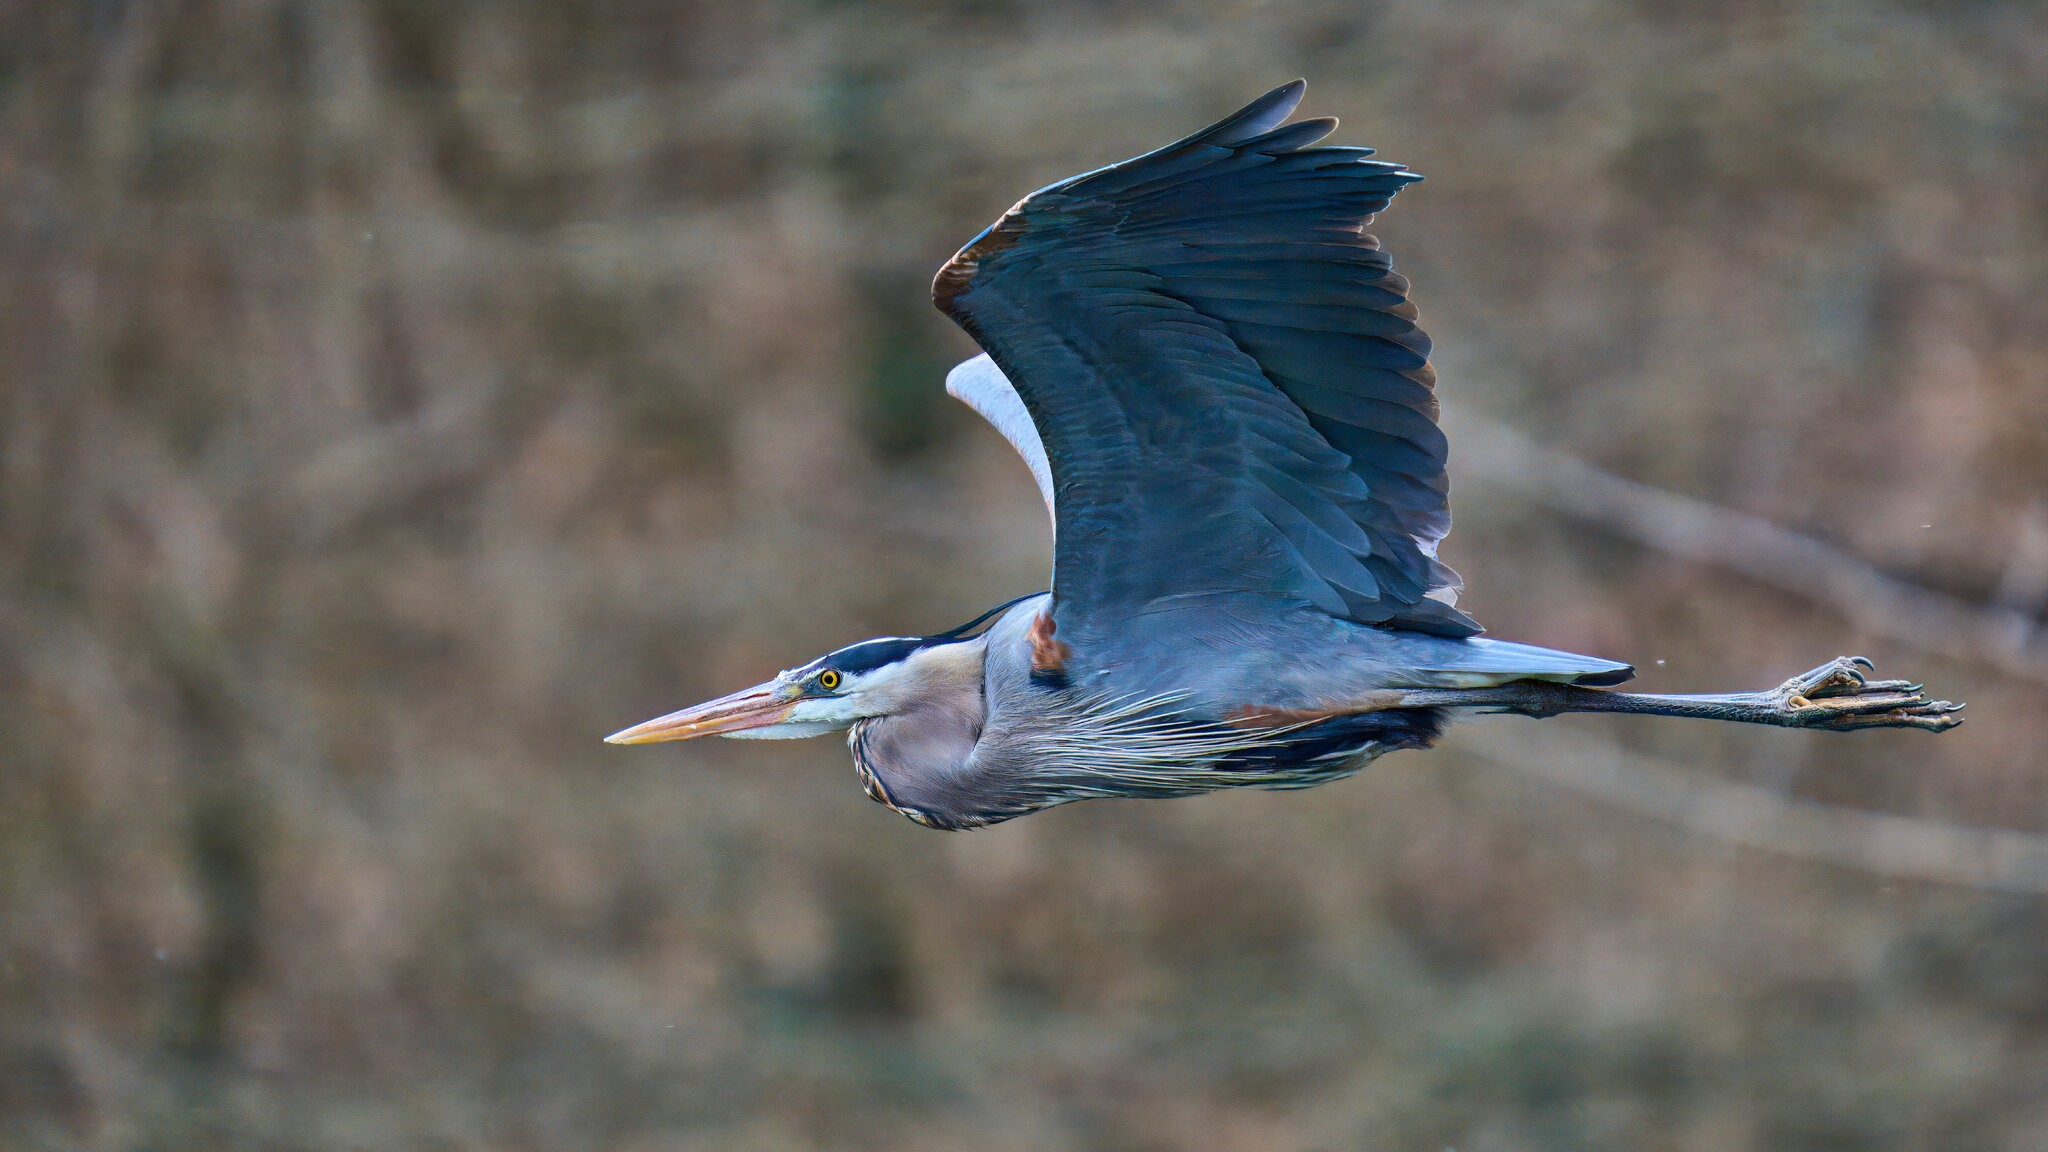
<point>395,397</point>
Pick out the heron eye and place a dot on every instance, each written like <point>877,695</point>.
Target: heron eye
<point>828,680</point>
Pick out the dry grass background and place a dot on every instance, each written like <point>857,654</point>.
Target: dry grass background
<point>399,396</point>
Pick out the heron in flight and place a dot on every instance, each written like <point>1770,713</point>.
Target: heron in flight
<point>1216,378</point>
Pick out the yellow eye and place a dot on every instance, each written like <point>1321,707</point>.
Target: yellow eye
<point>828,680</point>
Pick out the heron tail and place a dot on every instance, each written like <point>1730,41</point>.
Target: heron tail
<point>1483,663</point>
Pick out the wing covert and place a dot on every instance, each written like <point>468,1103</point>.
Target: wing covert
<point>1232,400</point>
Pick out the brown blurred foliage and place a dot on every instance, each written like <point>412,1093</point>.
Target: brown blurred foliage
<point>398,396</point>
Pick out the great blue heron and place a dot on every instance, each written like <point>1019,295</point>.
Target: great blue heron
<point>1216,377</point>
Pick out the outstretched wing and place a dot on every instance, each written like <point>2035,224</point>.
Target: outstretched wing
<point>1235,404</point>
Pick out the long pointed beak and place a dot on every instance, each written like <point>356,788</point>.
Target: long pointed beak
<point>755,707</point>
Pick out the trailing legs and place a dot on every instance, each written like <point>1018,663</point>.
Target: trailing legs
<point>1838,696</point>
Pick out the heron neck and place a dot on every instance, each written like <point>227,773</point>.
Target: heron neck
<point>914,760</point>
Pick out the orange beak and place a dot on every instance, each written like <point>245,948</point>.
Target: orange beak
<point>755,707</point>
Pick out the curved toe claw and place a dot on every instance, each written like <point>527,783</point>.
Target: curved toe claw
<point>1839,677</point>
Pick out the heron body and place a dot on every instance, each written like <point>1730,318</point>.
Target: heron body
<point>1218,382</point>
<point>1006,743</point>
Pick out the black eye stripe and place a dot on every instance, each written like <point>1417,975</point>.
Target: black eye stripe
<point>869,655</point>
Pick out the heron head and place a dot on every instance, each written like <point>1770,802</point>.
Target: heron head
<point>865,681</point>
<point>871,679</point>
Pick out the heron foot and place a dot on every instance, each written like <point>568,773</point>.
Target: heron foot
<point>1840,696</point>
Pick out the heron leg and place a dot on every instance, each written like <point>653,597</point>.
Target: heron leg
<point>1838,696</point>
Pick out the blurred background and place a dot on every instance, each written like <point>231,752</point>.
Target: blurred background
<point>396,397</point>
